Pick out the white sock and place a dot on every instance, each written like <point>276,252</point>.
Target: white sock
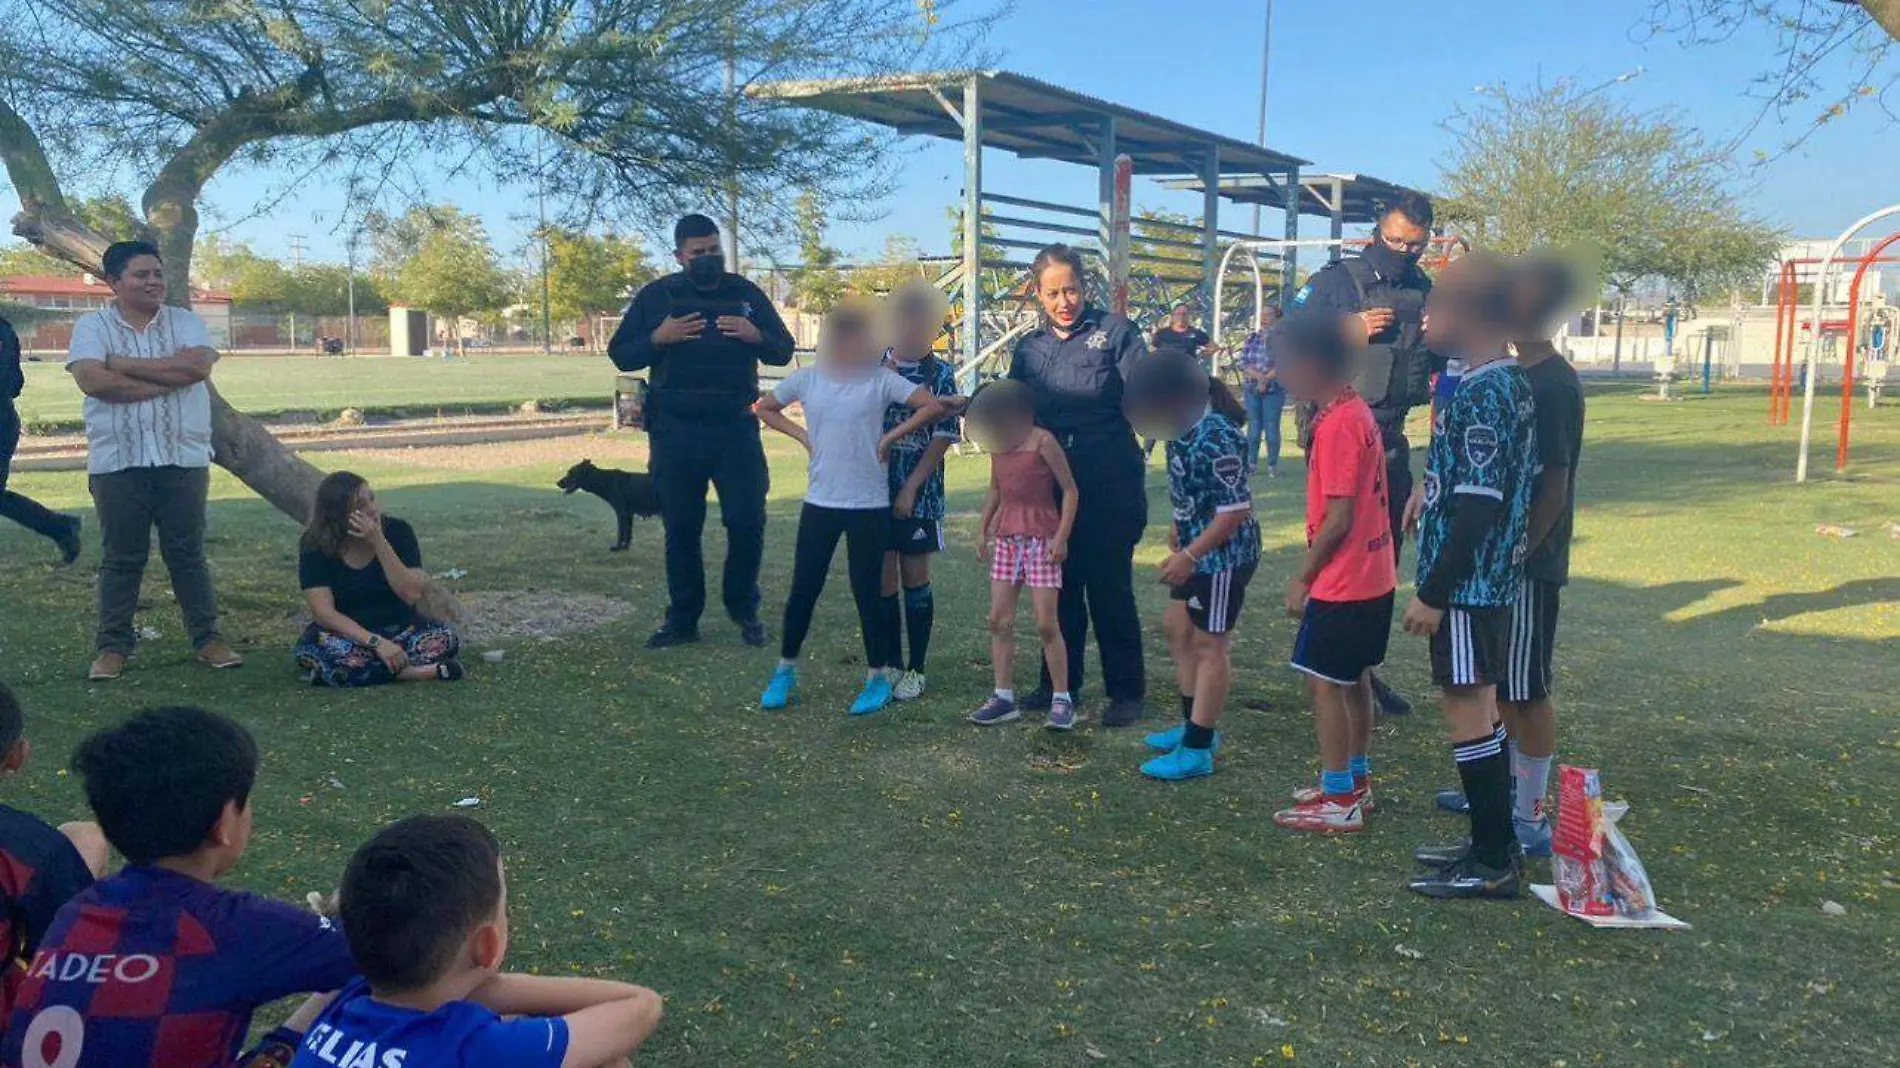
<point>787,662</point>
<point>1006,693</point>
<point>1533,778</point>
<point>1062,695</point>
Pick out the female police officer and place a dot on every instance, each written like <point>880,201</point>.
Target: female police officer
<point>1076,363</point>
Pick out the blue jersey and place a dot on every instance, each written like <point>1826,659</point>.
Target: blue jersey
<point>1207,475</point>
<point>1483,444</point>
<point>357,1030</point>
<point>936,376</point>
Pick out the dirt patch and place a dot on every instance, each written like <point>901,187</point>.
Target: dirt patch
<point>496,617</point>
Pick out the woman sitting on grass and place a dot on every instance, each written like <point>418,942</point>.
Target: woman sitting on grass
<point>361,575</point>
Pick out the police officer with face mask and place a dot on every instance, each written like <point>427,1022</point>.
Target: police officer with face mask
<point>700,334</point>
<point>1385,288</point>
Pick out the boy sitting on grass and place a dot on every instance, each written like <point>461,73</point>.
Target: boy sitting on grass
<point>40,868</point>
<point>157,967</point>
<point>425,903</point>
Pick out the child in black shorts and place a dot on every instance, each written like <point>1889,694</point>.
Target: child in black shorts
<point>1216,543</point>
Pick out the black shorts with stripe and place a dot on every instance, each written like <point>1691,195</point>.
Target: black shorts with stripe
<point>915,537</point>
<point>1339,641</point>
<point>1471,647</point>
<point>1530,665</point>
<point>1214,601</point>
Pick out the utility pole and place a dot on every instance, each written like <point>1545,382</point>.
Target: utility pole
<point>296,264</point>
<point>732,139</point>
<point>349,273</point>
<point>1260,138</point>
<point>547,285</point>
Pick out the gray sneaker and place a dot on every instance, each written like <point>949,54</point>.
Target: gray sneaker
<point>1061,714</point>
<point>994,710</point>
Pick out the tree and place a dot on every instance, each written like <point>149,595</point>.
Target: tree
<point>900,262</point>
<point>627,96</point>
<point>1829,58</point>
<point>817,281</point>
<point>110,215</point>
<point>592,274</point>
<point>1552,166</point>
<point>453,272</point>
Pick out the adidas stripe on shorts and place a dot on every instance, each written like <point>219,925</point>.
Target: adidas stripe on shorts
<point>1214,601</point>
<point>1471,647</point>
<point>916,537</point>
<point>1530,659</point>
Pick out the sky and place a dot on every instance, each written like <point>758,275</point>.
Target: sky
<point>1357,87</point>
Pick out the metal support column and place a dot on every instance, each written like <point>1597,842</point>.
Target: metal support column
<point>1105,188</point>
<point>972,221</point>
<point>1210,234</point>
<point>1338,207</point>
<point>1290,254</point>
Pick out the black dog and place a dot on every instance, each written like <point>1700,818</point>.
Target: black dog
<point>630,492</point>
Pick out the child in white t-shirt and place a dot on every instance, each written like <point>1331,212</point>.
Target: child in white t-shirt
<point>848,493</point>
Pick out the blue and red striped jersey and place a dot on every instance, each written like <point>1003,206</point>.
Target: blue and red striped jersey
<point>40,870</point>
<point>153,969</point>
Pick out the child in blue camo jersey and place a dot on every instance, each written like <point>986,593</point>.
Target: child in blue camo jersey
<point>1216,543</point>
<point>916,475</point>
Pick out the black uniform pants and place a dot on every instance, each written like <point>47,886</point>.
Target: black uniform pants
<point>687,456</point>
<point>22,510</point>
<point>1098,578</point>
<point>1398,488</point>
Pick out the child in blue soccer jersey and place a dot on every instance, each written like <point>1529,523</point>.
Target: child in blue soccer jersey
<point>157,967</point>
<point>425,903</point>
<point>1216,543</point>
<point>1471,513</point>
<point>916,476</point>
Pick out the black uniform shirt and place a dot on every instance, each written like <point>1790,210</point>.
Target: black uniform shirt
<point>1078,380</point>
<point>12,379</point>
<point>711,376</point>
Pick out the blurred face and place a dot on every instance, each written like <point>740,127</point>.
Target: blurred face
<point>1301,377</point>
<point>141,286</point>
<point>1179,320</point>
<point>1453,321</point>
<point>1060,293</point>
<point>1166,418</point>
<point>848,344</point>
<point>917,327</point>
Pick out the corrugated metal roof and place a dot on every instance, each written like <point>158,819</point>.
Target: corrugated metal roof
<point>1032,118</point>
<point>1363,196</point>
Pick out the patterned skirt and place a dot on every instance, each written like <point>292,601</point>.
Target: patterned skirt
<point>329,659</point>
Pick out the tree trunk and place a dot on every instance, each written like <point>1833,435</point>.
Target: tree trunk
<point>1886,13</point>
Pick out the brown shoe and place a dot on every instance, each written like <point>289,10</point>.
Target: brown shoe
<point>220,656</point>
<point>109,666</point>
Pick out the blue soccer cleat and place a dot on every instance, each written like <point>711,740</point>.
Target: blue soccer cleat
<point>1183,763</point>
<point>780,691</point>
<point>877,693</point>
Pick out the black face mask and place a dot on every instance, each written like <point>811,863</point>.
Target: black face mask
<point>1388,261</point>
<point>704,270</point>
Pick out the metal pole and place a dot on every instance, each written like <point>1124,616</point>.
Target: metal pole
<point>1266,54</point>
<point>1105,198</point>
<point>972,220</point>
<point>1290,254</point>
<point>547,284</point>
<point>350,285</point>
<point>1210,234</point>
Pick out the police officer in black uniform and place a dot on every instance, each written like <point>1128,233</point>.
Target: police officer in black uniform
<point>1385,288</point>
<point>1076,364</point>
<point>62,529</point>
<point>701,334</point>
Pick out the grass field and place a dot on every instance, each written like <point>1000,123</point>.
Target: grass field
<point>908,890</point>
<point>272,385</point>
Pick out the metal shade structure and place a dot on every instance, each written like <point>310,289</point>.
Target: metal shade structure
<point>1341,198</point>
<point>1034,119</point>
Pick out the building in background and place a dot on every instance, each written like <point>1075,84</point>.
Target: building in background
<point>62,299</point>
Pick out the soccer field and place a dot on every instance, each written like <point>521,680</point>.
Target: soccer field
<point>271,385</point>
<point>910,890</point>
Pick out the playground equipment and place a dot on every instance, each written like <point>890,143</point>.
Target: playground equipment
<point>1814,337</point>
<point>1883,336</point>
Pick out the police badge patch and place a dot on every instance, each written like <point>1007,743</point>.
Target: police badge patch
<point>1481,445</point>
<point>1098,340</point>
<point>1431,488</point>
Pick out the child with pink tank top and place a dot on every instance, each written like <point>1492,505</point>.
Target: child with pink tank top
<point>1026,526</point>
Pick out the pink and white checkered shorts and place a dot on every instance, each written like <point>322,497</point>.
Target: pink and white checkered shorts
<point>1022,560</point>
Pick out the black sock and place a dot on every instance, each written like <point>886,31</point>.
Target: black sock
<point>1486,774</point>
<point>920,612</point>
<point>1197,736</point>
<point>1187,707</point>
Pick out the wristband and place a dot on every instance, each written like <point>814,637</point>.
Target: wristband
<point>1189,553</point>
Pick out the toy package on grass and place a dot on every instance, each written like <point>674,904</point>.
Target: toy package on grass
<point>1599,878</point>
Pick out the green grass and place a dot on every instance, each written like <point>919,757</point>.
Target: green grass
<point>909,890</point>
<point>272,385</point>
